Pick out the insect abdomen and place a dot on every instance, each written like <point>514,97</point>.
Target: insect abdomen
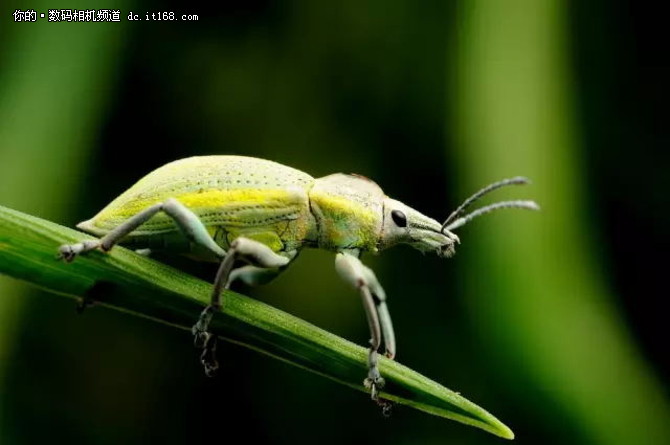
<point>234,192</point>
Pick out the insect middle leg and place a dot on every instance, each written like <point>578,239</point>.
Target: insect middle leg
<point>257,254</point>
<point>260,257</point>
<point>354,272</point>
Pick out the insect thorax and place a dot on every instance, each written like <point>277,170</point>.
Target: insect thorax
<point>348,210</point>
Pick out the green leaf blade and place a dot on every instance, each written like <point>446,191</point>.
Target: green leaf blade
<point>125,281</point>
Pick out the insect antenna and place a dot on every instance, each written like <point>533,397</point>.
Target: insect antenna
<point>528,205</point>
<point>518,180</point>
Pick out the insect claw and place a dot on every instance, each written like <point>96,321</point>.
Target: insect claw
<point>374,384</point>
<point>208,356</point>
<point>205,340</point>
<point>199,338</point>
<point>387,407</point>
<point>83,304</point>
<point>66,253</point>
<point>211,369</point>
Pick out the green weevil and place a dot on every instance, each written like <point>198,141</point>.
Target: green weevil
<point>232,209</point>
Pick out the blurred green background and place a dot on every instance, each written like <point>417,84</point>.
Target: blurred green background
<point>551,321</point>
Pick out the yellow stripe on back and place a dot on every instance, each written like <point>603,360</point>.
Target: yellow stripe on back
<point>234,208</point>
<point>345,209</point>
<point>207,199</point>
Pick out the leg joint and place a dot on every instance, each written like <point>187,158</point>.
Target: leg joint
<point>169,203</point>
<point>377,299</point>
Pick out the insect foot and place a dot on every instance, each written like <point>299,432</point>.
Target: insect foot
<point>68,252</point>
<point>205,340</point>
<point>199,329</point>
<point>374,382</point>
<point>83,304</point>
<point>386,406</point>
<point>208,356</point>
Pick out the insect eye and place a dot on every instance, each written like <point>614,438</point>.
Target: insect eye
<point>399,218</point>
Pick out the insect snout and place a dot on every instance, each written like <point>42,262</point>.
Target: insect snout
<point>447,250</point>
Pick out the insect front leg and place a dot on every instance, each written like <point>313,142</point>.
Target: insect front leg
<point>379,297</point>
<point>354,272</point>
<point>256,254</point>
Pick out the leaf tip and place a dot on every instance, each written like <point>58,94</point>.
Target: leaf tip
<point>500,429</point>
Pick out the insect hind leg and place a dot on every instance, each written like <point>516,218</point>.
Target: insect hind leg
<point>187,221</point>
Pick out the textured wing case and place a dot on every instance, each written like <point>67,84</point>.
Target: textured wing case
<point>226,191</point>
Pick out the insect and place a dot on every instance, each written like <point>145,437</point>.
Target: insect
<point>235,209</point>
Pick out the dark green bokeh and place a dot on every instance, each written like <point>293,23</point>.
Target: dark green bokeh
<point>382,89</point>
